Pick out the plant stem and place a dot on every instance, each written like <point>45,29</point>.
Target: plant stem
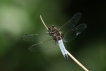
<point>77,61</point>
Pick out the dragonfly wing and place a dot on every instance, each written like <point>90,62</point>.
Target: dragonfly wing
<point>74,32</point>
<point>71,23</point>
<point>42,46</point>
<point>34,37</point>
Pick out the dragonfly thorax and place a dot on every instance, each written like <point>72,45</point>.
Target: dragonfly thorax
<point>55,33</point>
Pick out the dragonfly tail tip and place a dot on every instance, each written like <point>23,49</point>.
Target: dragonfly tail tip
<point>66,57</point>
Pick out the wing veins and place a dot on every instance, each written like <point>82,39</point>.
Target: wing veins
<point>72,34</point>
<point>71,23</point>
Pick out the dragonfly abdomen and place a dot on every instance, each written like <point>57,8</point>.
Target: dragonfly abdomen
<point>62,48</point>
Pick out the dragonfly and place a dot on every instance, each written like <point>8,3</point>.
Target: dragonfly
<point>65,33</point>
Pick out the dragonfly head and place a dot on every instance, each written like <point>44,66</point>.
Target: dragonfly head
<point>51,27</point>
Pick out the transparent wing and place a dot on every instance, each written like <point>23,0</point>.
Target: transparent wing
<point>71,23</point>
<point>42,46</point>
<point>35,37</point>
<point>72,34</point>
<point>46,41</point>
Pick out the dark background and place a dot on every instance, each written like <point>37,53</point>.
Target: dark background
<point>19,17</point>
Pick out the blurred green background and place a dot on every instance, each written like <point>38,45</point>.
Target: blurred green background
<point>19,17</point>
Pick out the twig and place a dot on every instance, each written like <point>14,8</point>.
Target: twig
<point>77,61</point>
<point>43,22</point>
